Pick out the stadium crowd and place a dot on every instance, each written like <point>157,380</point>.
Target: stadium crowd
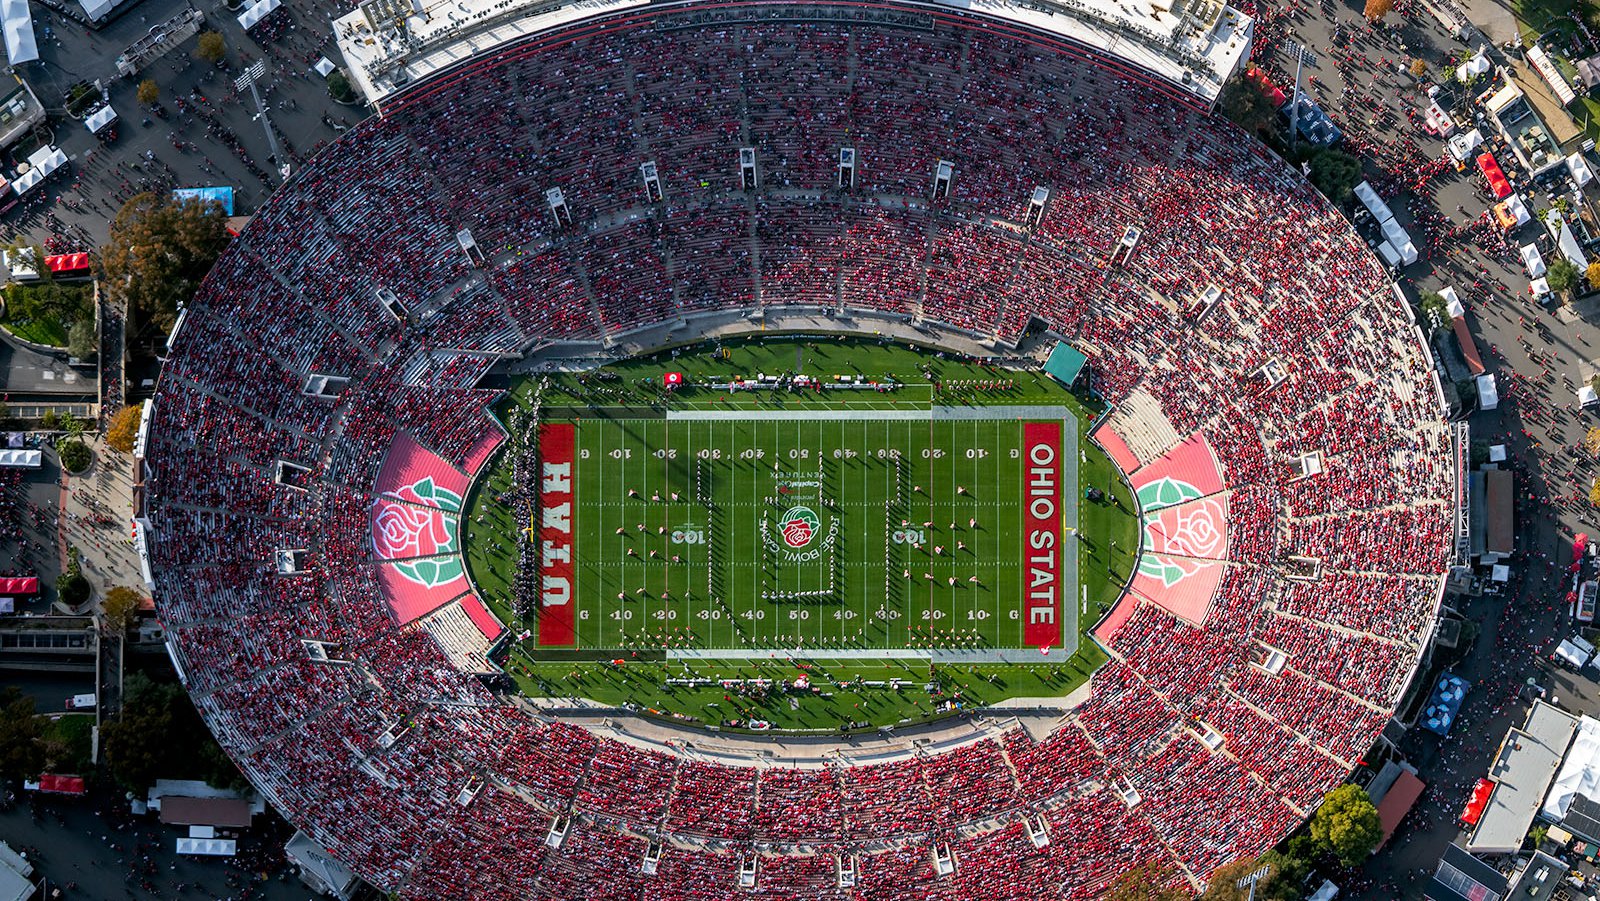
<point>426,782</point>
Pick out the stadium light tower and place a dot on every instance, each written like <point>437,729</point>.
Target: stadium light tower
<point>1252,879</point>
<point>248,80</point>
<point>1302,57</point>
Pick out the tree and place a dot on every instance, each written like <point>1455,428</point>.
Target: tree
<point>72,588</point>
<point>121,608</point>
<point>1594,492</point>
<point>82,342</point>
<point>124,428</point>
<point>1377,9</point>
<point>1223,884</point>
<point>1288,875</point>
<point>149,92</point>
<point>1153,880</point>
<point>158,734</point>
<point>1347,824</point>
<point>75,455</point>
<point>211,47</point>
<point>1592,275</point>
<point>1244,105</point>
<point>158,253</point>
<point>1435,308</point>
<point>21,751</point>
<point>1335,173</point>
<point>1419,67</point>
<point>1562,275</point>
<point>339,87</point>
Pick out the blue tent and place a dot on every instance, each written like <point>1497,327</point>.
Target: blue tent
<point>1443,704</point>
<point>1312,122</point>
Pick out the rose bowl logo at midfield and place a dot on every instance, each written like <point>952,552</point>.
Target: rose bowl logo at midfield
<point>798,526</point>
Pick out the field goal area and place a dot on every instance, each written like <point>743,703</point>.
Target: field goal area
<point>946,533</point>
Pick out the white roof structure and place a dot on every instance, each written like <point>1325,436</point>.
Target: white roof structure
<point>1462,145</point>
<point>20,458</point>
<point>1522,771</point>
<point>1578,168</point>
<point>208,847</point>
<point>102,116</point>
<point>1197,50</point>
<point>1478,65</point>
<point>1569,246</point>
<point>255,12</point>
<point>1488,392</point>
<point>41,164</point>
<point>1452,301</point>
<point>324,67</point>
<point>21,46</point>
<point>1518,209</point>
<point>1532,260</point>
<point>1580,771</point>
<point>1552,77</point>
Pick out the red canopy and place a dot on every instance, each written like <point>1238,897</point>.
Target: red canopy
<point>19,584</point>
<point>1273,92</point>
<point>1478,801</point>
<point>61,785</point>
<point>63,263</point>
<point>1498,183</point>
<point>1580,543</point>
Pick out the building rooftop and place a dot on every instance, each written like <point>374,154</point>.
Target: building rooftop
<point>1522,773</point>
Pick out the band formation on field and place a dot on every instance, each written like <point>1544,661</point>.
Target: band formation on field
<point>805,534</point>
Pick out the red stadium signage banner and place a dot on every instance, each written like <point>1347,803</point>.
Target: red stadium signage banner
<point>556,440</point>
<point>1041,524</point>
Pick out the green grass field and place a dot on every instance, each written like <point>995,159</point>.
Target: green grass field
<point>848,536</point>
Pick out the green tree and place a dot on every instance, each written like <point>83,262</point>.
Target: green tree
<point>158,253</point>
<point>1335,173</point>
<point>1347,824</point>
<point>1153,880</point>
<point>211,47</point>
<point>121,608</point>
<point>1223,884</point>
<point>339,88</point>
<point>149,92</point>
<point>1288,875</point>
<point>21,751</point>
<point>75,455</point>
<point>1436,309</point>
<point>158,734</point>
<point>1562,275</point>
<point>72,588</point>
<point>82,342</point>
<point>124,428</point>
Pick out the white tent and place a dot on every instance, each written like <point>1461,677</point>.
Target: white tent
<point>20,458</point>
<point>1532,259</point>
<point>1452,302</point>
<point>1389,254</point>
<point>21,47</point>
<point>255,12</point>
<point>1478,65</point>
<point>324,67</point>
<point>1552,76</point>
<point>1579,773</point>
<point>102,116</point>
<point>1539,287</point>
<point>1488,394</point>
<point>1462,145</point>
<point>1587,397</point>
<point>41,163</point>
<point>1518,209</point>
<point>213,847</point>
<point>1579,169</point>
<point>1569,247</point>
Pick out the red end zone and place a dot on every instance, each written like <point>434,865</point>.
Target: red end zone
<point>556,441</point>
<point>1041,523</point>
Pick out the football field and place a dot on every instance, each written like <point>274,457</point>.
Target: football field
<point>940,532</point>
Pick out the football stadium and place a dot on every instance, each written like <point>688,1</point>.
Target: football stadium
<point>825,450</point>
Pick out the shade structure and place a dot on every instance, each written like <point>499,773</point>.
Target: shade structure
<point>1475,804</point>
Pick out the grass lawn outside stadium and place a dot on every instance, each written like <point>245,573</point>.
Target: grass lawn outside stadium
<point>902,552</point>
